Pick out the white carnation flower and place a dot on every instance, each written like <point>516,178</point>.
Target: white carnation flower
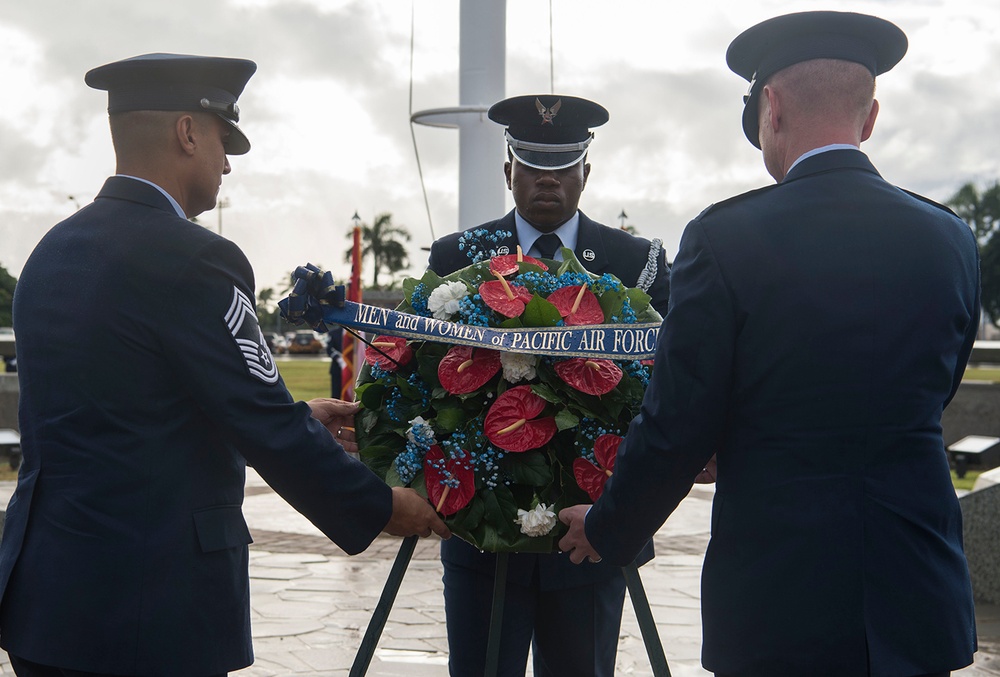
<point>518,366</point>
<point>536,522</point>
<point>443,301</point>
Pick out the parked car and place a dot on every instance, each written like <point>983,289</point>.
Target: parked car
<point>304,343</point>
<point>276,343</point>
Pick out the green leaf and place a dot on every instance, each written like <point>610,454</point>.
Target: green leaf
<point>566,420</point>
<point>450,419</point>
<point>530,468</point>
<point>511,323</point>
<point>367,420</point>
<point>431,280</point>
<point>378,458</point>
<point>540,313</point>
<point>612,303</point>
<point>371,396</point>
<point>392,477</point>
<point>546,392</point>
<point>640,300</point>
<point>571,264</point>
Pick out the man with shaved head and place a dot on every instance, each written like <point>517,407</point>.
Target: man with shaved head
<point>817,329</point>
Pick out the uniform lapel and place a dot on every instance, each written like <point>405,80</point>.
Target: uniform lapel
<point>506,223</point>
<point>590,249</point>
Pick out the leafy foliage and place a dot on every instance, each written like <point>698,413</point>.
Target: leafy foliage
<point>381,241</point>
<point>981,210</point>
<point>7,283</point>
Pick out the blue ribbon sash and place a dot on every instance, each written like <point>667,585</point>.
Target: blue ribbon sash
<point>600,341</point>
<point>316,300</point>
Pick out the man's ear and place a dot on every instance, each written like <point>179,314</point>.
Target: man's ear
<point>772,108</point>
<point>506,172</point>
<point>185,130</point>
<point>586,173</point>
<point>866,130</point>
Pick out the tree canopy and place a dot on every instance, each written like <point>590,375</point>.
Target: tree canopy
<point>381,242</point>
<point>981,210</point>
<point>7,283</point>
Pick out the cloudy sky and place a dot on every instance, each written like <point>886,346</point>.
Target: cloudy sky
<point>328,110</point>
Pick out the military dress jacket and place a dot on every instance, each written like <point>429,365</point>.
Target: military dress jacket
<point>145,387</point>
<point>817,329</point>
<point>600,249</point>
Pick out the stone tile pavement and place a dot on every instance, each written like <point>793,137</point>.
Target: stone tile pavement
<point>311,603</point>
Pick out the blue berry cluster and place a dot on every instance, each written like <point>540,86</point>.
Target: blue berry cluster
<point>411,460</point>
<point>637,370</point>
<point>418,301</point>
<point>587,434</point>
<point>394,405</point>
<point>472,310</point>
<point>571,279</point>
<point>543,283</point>
<point>382,376</point>
<point>422,388</point>
<point>480,244</point>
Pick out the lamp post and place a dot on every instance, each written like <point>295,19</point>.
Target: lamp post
<point>74,201</point>
<point>223,203</point>
<point>621,218</point>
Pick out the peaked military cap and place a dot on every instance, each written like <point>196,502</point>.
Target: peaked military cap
<point>178,82</point>
<point>762,50</point>
<point>548,131</point>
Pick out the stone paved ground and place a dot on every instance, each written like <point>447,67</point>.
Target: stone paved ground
<point>311,603</point>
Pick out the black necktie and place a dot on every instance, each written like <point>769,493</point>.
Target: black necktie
<point>548,244</point>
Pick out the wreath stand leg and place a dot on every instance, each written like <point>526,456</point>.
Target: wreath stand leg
<point>381,613</point>
<point>647,626</point>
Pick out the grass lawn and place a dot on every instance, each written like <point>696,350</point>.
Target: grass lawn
<point>306,379</point>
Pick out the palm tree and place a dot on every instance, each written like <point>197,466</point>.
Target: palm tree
<point>381,241</point>
<point>981,210</point>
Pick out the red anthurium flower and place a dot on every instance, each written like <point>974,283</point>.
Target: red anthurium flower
<point>450,482</point>
<point>507,265</point>
<point>594,377</point>
<point>578,305</point>
<point>392,346</point>
<point>592,477</point>
<point>465,369</point>
<point>511,422</point>
<point>503,297</point>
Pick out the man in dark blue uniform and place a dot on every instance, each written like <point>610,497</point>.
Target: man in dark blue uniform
<point>125,548</point>
<point>816,330</point>
<point>568,615</point>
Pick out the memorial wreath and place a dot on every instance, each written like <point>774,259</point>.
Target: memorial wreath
<point>501,391</point>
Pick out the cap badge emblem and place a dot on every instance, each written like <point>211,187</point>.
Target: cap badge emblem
<point>753,81</point>
<point>503,250</point>
<point>548,113</point>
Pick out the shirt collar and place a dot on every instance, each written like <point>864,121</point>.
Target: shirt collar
<point>527,234</point>
<point>822,149</point>
<point>173,202</point>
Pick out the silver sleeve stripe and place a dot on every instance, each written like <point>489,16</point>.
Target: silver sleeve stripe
<point>238,309</point>
<point>256,355</point>
<point>648,274</point>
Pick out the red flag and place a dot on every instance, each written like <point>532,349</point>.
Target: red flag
<point>349,375</point>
